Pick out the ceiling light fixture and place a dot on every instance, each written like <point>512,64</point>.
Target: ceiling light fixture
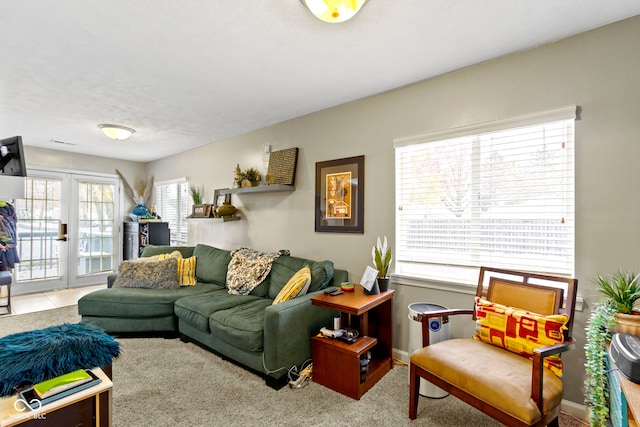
<point>117,132</point>
<point>334,11</point>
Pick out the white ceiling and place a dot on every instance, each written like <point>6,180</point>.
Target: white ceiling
<point>186,73</point>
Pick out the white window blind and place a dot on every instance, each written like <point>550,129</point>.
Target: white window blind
<point>173,205</point>
<point>499,194</point>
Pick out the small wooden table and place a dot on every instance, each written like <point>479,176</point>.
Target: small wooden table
<point>336,364</point>
<point>89,407</point>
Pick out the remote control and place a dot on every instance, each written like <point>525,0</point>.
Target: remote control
<point>330,290</point>
<point>337,292</point>
<point>348,340</point>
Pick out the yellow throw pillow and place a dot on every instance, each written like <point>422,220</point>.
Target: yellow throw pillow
<point>174,254</point>
<point>520,331</point>
<point>296,286</point>
<point>186,268</point>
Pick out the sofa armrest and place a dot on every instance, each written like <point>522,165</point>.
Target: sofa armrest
<point>288,329</point>
<point>339,276</point>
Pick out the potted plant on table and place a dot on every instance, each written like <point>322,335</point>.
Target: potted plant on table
<point>611,315</point>
<point>622,289</point>
<point>381,254</point>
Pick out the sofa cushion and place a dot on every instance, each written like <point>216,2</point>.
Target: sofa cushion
<point>296,286</point>
<point>241,326</point>
<point>137,302</point>
<point>152,250</point>
<point>286,266</point>
<point>196,309</point>
<point>160,274</point>
<point>211,264</point>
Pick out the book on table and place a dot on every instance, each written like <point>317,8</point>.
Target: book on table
<point>61,386</point>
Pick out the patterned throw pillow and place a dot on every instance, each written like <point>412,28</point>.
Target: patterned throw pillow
<point>186,268</point>
<point>520,331</point>
<point>296,286</point>
<point>161,274</point>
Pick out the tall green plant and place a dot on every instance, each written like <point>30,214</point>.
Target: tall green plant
<point>598,330</point>
<point>197,195</point>
<point>381,254</point>
<point>622,288</point>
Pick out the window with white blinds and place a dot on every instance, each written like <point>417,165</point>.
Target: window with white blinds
<point>498,194</point>
<point>173,205</point>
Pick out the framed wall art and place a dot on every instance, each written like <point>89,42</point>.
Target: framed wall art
<point>340,196</point>
<point>282,166</point>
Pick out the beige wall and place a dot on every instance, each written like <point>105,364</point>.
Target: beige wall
<point>597,70</point>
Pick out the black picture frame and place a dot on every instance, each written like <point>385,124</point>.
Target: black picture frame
<point>339,195</point>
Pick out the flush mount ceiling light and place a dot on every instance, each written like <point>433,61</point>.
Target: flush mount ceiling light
<point>334,11</point>
<point>117,132</point>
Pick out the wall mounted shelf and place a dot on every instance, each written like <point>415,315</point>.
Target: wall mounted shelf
<point>223,219</point>
<point>259,189</point>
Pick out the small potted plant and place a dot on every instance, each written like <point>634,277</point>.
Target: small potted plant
<point>200,208</point>
<point>622,290</point>
<point>196,195</point>
<point>381,254</point>
<point>247,178</point>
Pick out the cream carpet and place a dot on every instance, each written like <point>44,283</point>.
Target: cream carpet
<point>165,382</point>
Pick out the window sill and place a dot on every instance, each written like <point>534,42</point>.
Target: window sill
<point>450,286</point>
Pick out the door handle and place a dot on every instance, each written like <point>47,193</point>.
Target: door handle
<point>62,232</point>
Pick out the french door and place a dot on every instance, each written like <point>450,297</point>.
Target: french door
<point>68,232</point>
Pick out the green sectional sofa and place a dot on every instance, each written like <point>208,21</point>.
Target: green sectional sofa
<point>247,329</point>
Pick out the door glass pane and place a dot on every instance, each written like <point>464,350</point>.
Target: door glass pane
<point>95,227</point>
<point>39,216</point>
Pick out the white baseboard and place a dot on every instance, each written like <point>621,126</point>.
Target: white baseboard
<point>570,408</point>
<point>401,355</point>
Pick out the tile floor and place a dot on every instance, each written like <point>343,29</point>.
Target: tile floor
<point>21,304</point>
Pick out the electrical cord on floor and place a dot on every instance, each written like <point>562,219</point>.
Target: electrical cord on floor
<point>267,370</point>
<point>302,378</point>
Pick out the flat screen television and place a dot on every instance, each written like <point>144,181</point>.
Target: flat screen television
<point>12,157</point>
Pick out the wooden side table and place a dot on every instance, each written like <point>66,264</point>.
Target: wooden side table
<point>336,364</point>
<point>89,407</point>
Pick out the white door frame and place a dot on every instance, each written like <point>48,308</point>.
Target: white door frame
<point>68,250</point>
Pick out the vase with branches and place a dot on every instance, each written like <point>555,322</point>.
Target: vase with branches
<point>139,198</point>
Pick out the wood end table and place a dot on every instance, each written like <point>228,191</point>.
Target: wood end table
<point>336,364</point>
